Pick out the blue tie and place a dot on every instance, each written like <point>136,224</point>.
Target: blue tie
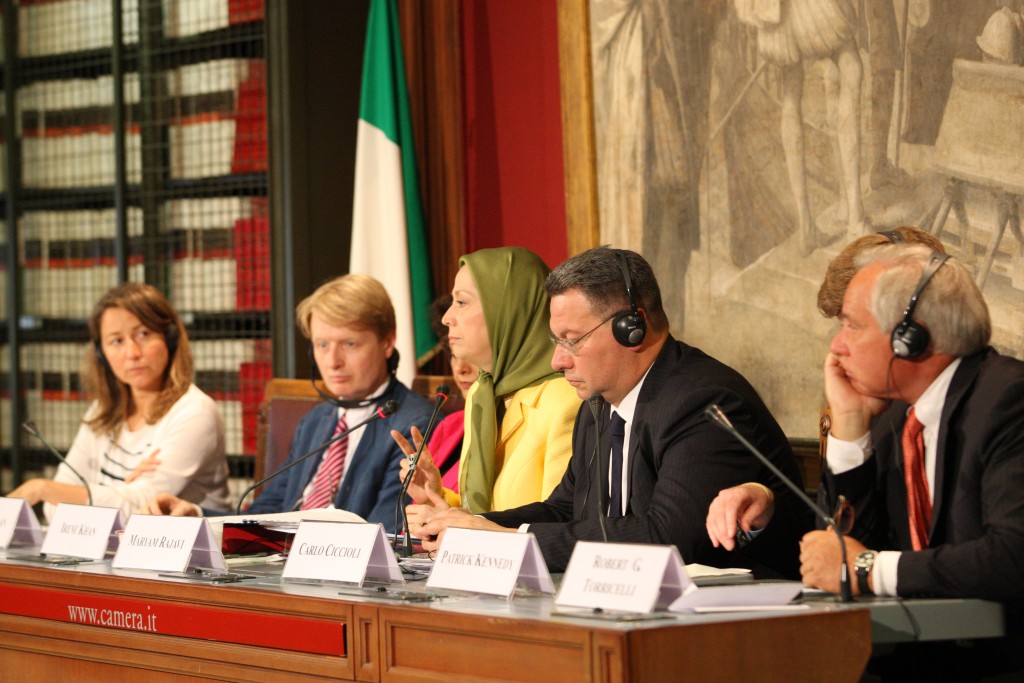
<point>617,430</point>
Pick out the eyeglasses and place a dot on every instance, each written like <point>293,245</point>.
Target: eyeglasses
<point>573,346</point>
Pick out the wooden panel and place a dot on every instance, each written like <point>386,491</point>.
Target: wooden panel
<point>433,65</point>
<point>24,666</point>
<point>364,644</point>
<point>580,151</point>
<point>479,648</point>
<point>610,658</point>
<point>755,649</point>
<point>108,650</point>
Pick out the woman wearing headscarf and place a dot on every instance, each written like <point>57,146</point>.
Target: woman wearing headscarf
<point>520,413</point>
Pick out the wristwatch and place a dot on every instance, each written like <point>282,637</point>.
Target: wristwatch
<point>862,565</point>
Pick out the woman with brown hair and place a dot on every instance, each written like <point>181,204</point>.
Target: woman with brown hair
<point>149,428</point>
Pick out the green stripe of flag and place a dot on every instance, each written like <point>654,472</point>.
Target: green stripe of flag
<point>384,104</point>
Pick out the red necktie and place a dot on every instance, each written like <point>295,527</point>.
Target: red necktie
<point>329,475</point>
<point>919,502</point>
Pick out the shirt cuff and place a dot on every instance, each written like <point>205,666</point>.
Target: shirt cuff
<point>843,456</point>
<point>883,574</point>
<point>453,499</point>
<point>523,528</point>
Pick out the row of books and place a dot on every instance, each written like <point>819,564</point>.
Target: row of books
<point>51,27</point>
<point>234,372</point>
<point>197,285</point>
<point>215,114</point>
<point>190,17</point>
<point>47,28</point>
<point>3,270</point>
<point>217,251</point>
<point>68,102</point>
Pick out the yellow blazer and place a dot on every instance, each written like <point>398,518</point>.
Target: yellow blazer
<point>534,444</point>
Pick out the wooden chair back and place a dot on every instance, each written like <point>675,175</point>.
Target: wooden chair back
<point>285,403</point>
<point>426,385</point>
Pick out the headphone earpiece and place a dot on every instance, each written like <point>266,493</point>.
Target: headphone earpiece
<point>628,327</point>
<point>910,339</point>
<point>171,337</point>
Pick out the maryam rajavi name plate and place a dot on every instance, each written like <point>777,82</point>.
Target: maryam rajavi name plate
<point>84,531</point>
<point>18,524</point>
<point>341,551</point>
<point>161,543</point>
<point>490,562</point>
<point>622,577</point>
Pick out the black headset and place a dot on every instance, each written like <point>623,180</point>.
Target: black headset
<point>628,327</point>
<point>910,339</point>
<point>894,236</point>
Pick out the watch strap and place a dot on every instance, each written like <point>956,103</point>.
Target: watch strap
<point>863,565</point>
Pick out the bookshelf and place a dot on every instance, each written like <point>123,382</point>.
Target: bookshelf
<point>134,147</point>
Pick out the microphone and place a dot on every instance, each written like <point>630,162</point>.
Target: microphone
<point>596,405</point>
<point>382,412</point>
<point>715,414</point>
<point>30,427</point>
<point>440,396</point>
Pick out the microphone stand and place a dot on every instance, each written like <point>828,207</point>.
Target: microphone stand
<point>30,427</point>
<point>715,414</point>
<point>440,396</point>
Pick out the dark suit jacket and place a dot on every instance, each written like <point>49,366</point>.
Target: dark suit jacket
<point>976,543</point>
<point>371,485</point>
<point>678,462</point>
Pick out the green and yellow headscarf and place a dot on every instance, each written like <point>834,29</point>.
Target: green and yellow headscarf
<point>510,282</point>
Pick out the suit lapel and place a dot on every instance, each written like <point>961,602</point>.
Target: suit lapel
<point>512,420</point>
<point>646,408</point>
<point>946,463</point>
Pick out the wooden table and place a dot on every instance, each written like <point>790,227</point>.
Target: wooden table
<point>92,623</point>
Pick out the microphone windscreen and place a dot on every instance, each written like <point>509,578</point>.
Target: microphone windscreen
<point>388,408</point>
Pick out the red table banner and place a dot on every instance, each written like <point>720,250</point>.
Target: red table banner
<point>301,634</point>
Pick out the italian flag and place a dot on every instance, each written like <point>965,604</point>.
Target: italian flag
<point>388,235</point>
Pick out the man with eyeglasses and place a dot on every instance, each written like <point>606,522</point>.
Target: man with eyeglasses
<point>660,461</point>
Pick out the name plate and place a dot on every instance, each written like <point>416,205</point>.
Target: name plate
<point>18,524</point>
<point>162,543</point>
<point>341,551</point>
<point>622,577</point>
<point>84,531</point>
<point>490,562</point>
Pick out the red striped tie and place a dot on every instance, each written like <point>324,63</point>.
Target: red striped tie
<point>919,502</point>
<point>329,475</point>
